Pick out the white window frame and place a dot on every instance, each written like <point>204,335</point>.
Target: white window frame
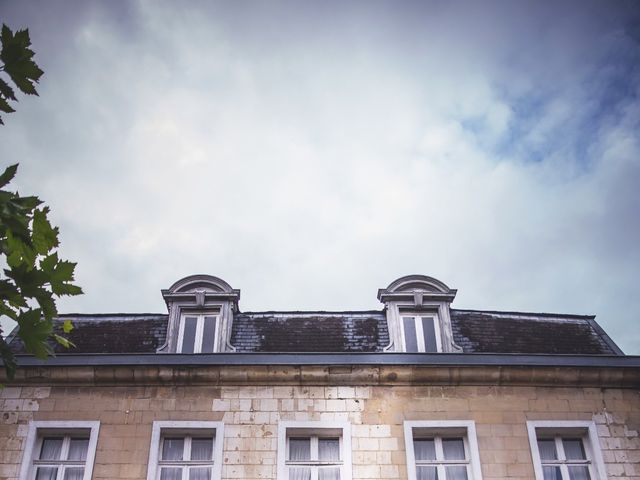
<point>186,429</point>
<point>443,429</point>
<point>197,348</point>
<point>585,430</point>
<point>314,430</point>
<point>39,429</point>
<point>417,318</point>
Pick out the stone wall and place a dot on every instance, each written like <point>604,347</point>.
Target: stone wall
<point>376,413</point>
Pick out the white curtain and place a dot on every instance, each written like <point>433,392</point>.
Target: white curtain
<point>456,473</point>
<point>547,449</point>
<point>201,448</point>
<point>299,449</point>
<point>172,448</point>
<point>73,473</point>
<point>573,449</point>
<point>171,474</point>
<point>424,449</point>
<point>551,473</point>
<point>46,473</point>
<point>579,473</point>
<point>329,473</point>
<point>51,448</point>
<point>453,448</point>
<point>200,473</point>
<point>78,449</point>
<point>329,449</point>
<point>299,473</point>
<point>427,473</point>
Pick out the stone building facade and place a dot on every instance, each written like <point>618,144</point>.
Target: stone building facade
<point>417,391</point>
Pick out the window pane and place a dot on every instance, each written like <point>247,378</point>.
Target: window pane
<point>429,332</point>
<point>200,473</point>
<point>74,473</point>
<point>51,448</point>
<point>172,448</point>
<point>189,334</point>
<point>551,473</point>
<point>427,473</point>
<point>78,449</point>
<point>453,448</point>
<point>456,473</point>
<point>329,473</point>
<point>46,473</point>
<point>329,449</point>
<point>201,448</point>
<point>579,473</point>
<point>299,473</point>
<point>547,449</point>
<point>573,449</point>
<point>171,473</point>
<point>208,334</point>
<point>410,340</point>
<point>424,449</point>
<point>299,449</point>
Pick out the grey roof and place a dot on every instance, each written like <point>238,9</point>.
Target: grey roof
<point>345,332</point>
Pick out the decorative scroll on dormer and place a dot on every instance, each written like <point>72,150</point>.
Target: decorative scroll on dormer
<point>201,310</point>
<point>418,316</point>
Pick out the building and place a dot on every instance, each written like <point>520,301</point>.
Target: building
<point>417,390</point>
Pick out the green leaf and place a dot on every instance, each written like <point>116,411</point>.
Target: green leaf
<point>8,359</point>
<point>17,59</point>
<point>34,332</point>
<point>6,90</point>
<point>5,107</point>
<point>65,342</point>
<point>45,237</point>
<point>8,174</point>
<point>67,326</point>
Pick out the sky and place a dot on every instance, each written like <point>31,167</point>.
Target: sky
<point>309,153</point>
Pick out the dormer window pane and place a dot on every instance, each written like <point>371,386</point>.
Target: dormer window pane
<point>208,334</point>
<point>189,336</point>
<point>429,334</point>
<point>410,338</point>
<point>329,449</point>
<point>299,449</point>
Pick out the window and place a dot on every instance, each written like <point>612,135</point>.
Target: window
<point>565,450</point>
<point>185,451</point>
<point>442,450</point>
<point>198,333</point>
<point>314,451</point>
<point>60,450</point>
<point>420,333</point>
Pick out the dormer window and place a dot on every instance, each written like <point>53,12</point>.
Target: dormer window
<point>198,332</point>
<point>420,333</point>
<point>418,317</point>
<point>201,310</point>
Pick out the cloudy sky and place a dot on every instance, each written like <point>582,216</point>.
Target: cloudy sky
<point>310,153</point>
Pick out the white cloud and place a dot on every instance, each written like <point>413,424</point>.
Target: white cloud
<point>310,155</point>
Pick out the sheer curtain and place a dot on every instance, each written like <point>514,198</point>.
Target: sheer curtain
<point>458,472</point>
<point>424,449</point>
<point>171,473</point>
<point>299,473</point>
<point>78,449</point>
<point>201,448</point>
<point>547,449</point>
<point>299,449</point>
<point>51,448</point>
<point>329,449</point>
<point>573,449</point>
<point>453,448</point>
<point>200,473</point>
<point>46,473</point>
<point>551,473</point>
<point>73,473</point>
<point>427,473</point>
<point>172,448</point>
<point>329,473</point>
<point>579,473</point>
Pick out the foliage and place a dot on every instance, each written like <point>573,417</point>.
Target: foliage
<point>34,277</point>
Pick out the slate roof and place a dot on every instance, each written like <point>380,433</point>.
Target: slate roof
<point>355,331</point>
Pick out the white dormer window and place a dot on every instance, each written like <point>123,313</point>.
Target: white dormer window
<point>198,332</point>
<point>420,333</point>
